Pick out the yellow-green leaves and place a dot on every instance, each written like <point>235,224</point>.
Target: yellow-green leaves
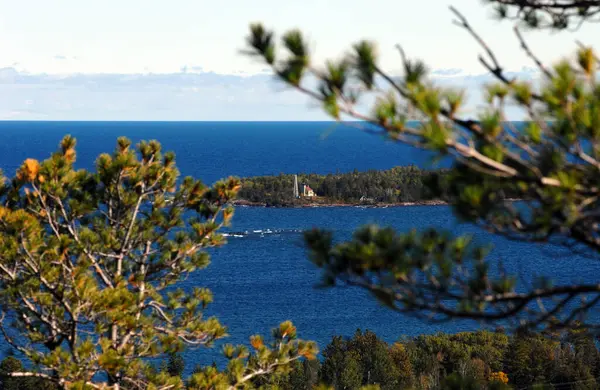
<point>336,76</point>
<point>491,124</point>
<point>294,42</point>
<point>331,106</point>
<point>414,71</point>
<point>567,179</point>
<point>505,285</point>
<point>522,93</point>
<point>386,111</point>
<point>292,72</point>
<point>454,100</point>
<point>493,151</point>
<point>234,352</point>
<point>534,132</point>
<point>67,146</point>
<point>123,144</point>
<point>396,265</point>
<point>587,61</point>
<point>332,87</point>
<point>292,69</point>
<point>261,41</point>
<point>149,150</point>
<point>496,91</point>
<point>564,82</point>
<point>267,359</point>
<point>428,100</point>
<point>87,258</point>
<point>436,135</point>
<point>111,361</point>
<point>365,62</point>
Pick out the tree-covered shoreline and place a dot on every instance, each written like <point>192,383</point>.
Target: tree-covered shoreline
<point>482,359</point>
<point>398,186</point>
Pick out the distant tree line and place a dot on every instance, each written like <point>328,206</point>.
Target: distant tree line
<point>469,360</point>
<point>399,184</point>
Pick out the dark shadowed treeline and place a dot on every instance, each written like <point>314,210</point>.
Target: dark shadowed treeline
<point>470,360</point>
<point>399,184</point>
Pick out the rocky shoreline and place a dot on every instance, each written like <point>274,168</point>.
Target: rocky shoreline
<point>245,203</point>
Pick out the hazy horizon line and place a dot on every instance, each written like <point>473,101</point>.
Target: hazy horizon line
<point>204,121</point>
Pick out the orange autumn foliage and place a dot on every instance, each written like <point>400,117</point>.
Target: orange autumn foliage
<point>29,170</point>
<point>70,155</point>
<point>256,342</point>
<point>498,377</point>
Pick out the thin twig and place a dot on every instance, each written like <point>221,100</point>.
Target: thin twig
<point>530,54</point>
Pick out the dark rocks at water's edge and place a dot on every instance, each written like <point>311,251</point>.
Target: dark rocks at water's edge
<point>245,203</point>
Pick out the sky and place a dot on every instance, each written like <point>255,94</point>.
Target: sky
<point>180,59</point>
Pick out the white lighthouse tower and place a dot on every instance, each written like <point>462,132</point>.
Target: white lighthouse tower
<point>296,191</point>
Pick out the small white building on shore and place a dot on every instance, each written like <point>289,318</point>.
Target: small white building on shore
<point>307,191</point>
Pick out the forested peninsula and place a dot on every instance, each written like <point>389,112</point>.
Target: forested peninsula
<point>398,186</point>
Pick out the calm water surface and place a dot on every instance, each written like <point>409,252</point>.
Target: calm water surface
<point>264,277</point>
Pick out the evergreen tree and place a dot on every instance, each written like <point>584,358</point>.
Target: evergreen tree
<point>90,264</point>
<point>333,363</point>
<point>551,163</point>
<point>375,360</point>
<point>7,382</point>
<point>8,365</point>
<point>175,365</point>
<point>351,376</point>
<point>404,367</point>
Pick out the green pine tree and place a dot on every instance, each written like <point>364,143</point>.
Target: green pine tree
<point>90,264</point>
<point>551,164</point>
<point>175,365</point>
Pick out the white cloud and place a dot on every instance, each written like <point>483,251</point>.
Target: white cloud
<point>186,95</point>
<point>173,96</point>
<point>447,72</point>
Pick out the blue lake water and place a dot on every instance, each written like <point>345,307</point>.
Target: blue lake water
<point>264,277</point>
<point>213,150</point>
